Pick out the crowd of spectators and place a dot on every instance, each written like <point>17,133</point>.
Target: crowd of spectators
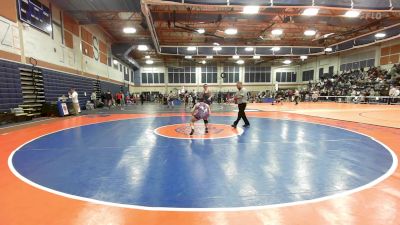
<point>372,82</point>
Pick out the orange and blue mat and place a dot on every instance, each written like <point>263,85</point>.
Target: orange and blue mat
<point>144,169</point>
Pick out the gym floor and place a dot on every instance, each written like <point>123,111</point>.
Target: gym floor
<point>314,163</point>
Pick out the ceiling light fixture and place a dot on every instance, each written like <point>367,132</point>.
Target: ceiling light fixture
<point>143,48</point>
<point>310,32</point>
<point>277,32</point>
<point>256,57</point>
<point>249,49</point>
<point>115,62</point>
<point>235,57</point>
<point>275,49</point>
<point>191,48</point>
<point>303,57</point>
<point>217,48</point>
<point>251,9</point>
<point>328,49</point>
<point>310,12</point>
<point>129,30</point>
<point>203,62</point>
<point>209,57</point>
<point>147,57</point>
<point>149,61</point>
<point>188,56</point>
<point>231,31</point>
<point>287,61</point>
<point>380,35</point>
<point>201,31</point>
<point>240,62</point>
<point>352,14</point>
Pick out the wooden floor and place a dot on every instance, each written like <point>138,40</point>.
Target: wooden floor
<point>381,115</point>
<point>24,204</point>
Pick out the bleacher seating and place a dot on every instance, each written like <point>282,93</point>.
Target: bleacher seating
<point>56,84</point>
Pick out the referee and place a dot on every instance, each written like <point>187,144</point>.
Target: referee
<point>241,98</point>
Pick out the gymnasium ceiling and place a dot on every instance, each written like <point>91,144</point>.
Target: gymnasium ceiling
<point>168,27</point>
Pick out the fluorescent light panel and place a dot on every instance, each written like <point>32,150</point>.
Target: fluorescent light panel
<point>240,61</point>
<point>310,32</point>
<point>310,12</point>
<point>129,30</point>
<point>277,32</point>
<point>287,61</point>
<point>352,14</point>
<point>217,48</point>
<point>231,31</point>
<point>143,48</point>
<point>275,49</point>
<point>251,9</point>
<point>191,48</point>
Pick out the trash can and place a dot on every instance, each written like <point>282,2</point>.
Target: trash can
<point>62,108</point>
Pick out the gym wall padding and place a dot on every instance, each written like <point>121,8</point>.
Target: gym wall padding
<point>10,86</point>
<point>56,84</point>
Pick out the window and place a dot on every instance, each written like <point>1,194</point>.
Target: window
<point>120,67</point>
<point>144,78</point>
<point>331,68</point>
<point>186,74</point>
<point>357,65</point>
<point>152,78</point>
<point>321,73</point>
<point>257,74</point>
<point>308,75</point>
<point>231,74</point>
<point>209,74</point>
<point>285,76</point>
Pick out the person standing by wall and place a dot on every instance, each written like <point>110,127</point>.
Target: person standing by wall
<point>142,98</point>
<point>73,95</point>
<point>109,99</point>
<point>241,99</point>
<point>296,96</point>
<point>93,98</point>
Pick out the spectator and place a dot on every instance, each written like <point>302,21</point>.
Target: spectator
<point>73,95</point>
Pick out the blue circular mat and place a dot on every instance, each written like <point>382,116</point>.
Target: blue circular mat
<point>273,162</point>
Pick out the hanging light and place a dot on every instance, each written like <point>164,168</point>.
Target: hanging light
<point>287,61</point>
<point>240,62</point>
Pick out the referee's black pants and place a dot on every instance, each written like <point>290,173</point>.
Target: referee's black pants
<point>241,114</point>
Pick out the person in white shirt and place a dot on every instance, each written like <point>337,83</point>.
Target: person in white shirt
<point>241,99</point>
<point>296,96</point>
<point>93,98</point>
<point>73,95</point>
